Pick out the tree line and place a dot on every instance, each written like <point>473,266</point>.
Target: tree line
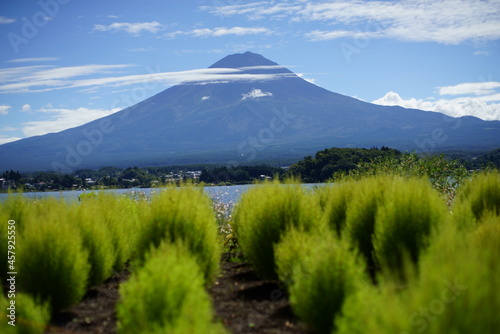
<point>321,167</point>
<point>325,163</point>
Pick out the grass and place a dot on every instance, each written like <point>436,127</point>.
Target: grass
<point>121,217</point>
<point>334,201</point>
<point>264,214</point>
<point>454,291</point>
<point>478,197</point>
<point>320,271</point>
<point>446,265</point>
<point>166,295</point>
<point>367,196</point>
<point>467,266</point>
<point>297,248</point>
<point>409,213</point>
<point>375,310</point>
<point>183,214</point>
<point>16,208</point>
<point>444,175</point>
<point>52,262</point>
<point>97,239</point>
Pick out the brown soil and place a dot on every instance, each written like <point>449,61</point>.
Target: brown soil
<point>243,302</point>
<point>246,304</point>
<point>95,314</point>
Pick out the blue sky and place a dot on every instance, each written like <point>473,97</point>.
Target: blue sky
<point>66,62</point>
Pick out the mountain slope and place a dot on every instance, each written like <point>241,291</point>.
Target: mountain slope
<point>261,111</point>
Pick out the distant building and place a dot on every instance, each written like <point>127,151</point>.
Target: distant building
<point>89,181</point>
<point>193,174</point>
<point>7,184</point>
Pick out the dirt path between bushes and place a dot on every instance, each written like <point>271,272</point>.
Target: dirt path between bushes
<point>95,314</point>
<point>243,302</point>
<point>247,304</point>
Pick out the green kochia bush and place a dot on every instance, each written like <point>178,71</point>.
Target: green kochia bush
<point>97,238</point>
<point>4,218</point>
<point>30,317</point>
<point>267,211</point>
<point>16,208</point>
<point>367,196</point>
<point>374,310</point>
<point>298,248</point>
<point>183,214</point>
<point>320,277</point>
<point>334,200</point>
<point>456,290</point>
<point>52,262</point>
<point>410,212</point>
<point>120,215</point>
<point>478,197</point>
<point>109,226</point>
<point>166,295</point>
<point>466,264</point>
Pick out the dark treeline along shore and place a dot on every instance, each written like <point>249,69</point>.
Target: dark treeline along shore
<point>324,165</point>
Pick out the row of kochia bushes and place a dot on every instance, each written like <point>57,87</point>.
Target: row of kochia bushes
<point>380,255</point>
<point>63,249</point>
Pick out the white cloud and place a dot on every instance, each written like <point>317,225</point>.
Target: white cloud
<point>220,31</point>
<point>319,35</point>
<point>216,51</point>
<point>402,21</point>
<point>32,60</point>
<point>112,16</point>
<point>5,20</point>
<point>44,78</point>
<point>19,73</point>
<point>463,106</point>
<point>445,21</point>
<point>470,88</point>
<point>41,79</point>
<point>140,50</point>
<point>255,93</point>
<point>481,53</point>
<point>4,109</point>
<point>205,98</point>
<point>62,119</point>
<point>7,129</point>
<point>26,108</point>
<point>6,139</point>
<point>310,80</point>
<point>131,28</point>
<point>255,10</point>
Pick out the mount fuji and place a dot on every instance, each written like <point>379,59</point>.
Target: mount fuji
<point>256,111</point>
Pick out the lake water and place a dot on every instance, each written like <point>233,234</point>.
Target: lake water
<point>226,194</point>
